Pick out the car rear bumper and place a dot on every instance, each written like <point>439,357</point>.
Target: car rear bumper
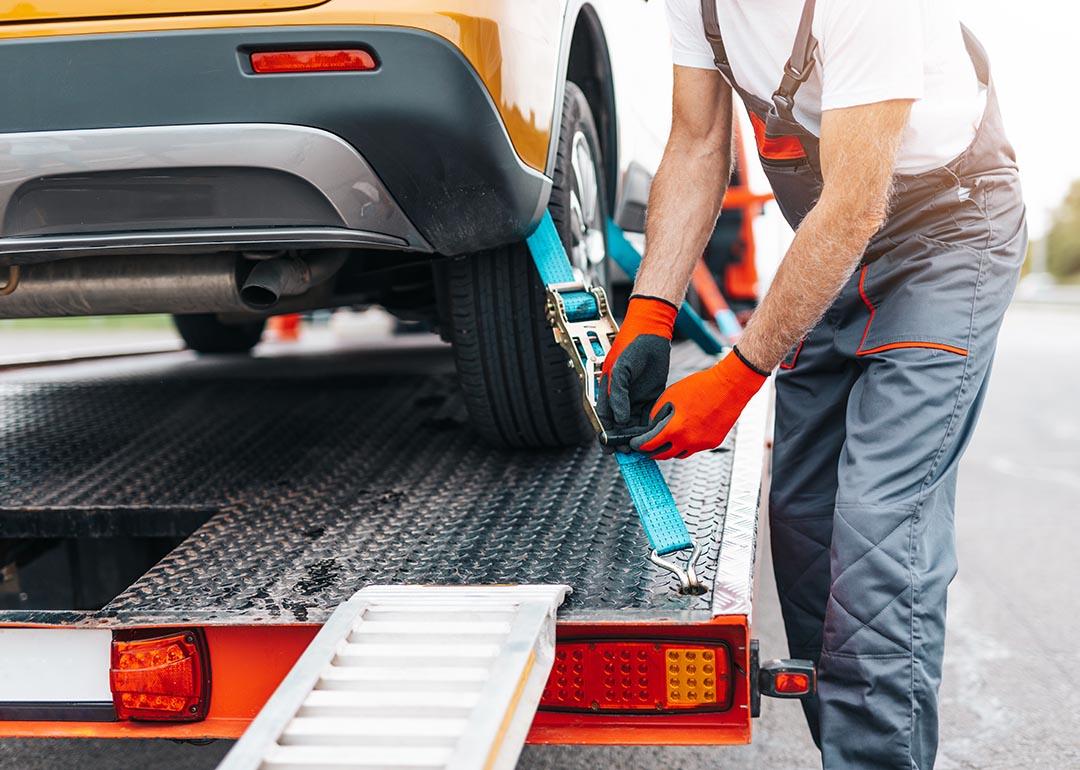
<point>106,139</point>
<point>228,185</point>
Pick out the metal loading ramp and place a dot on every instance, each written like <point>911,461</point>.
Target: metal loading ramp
<point>412,677</point>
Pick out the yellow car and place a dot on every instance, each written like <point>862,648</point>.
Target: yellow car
<point>227,160</point>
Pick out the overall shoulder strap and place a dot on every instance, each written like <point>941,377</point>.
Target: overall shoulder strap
<point>716,40</point>
<point>979,57</point>
<point>800,65</point>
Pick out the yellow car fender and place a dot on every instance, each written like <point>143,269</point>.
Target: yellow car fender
<point>519,49</point>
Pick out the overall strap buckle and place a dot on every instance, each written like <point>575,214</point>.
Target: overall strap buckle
<point>785,106</point>
<point>797,75</point>
<point>799,66</point>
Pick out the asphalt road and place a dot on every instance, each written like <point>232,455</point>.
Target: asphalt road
<point>1011,696</point>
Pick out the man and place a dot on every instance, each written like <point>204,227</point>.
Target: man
<point>878,127</point>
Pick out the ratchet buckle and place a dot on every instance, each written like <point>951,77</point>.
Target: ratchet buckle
<point>586,342</point>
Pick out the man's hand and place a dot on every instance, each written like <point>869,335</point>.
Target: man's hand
<point>858,154</point>
<point>635,371</point>
<point>696,413</point>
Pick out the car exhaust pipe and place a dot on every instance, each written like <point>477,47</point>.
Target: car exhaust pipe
<point>177,284</point>
<point>113,285</point>
<point>273,279</point>
<point>12,281</point>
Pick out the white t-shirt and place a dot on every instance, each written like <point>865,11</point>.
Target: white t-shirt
<point>869,51</point>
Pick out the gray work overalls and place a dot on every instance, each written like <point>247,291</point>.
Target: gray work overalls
<point>874,409</point>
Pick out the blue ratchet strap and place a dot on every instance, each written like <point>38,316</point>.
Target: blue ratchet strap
<point>660,518</point>
<point>689,324</point>
<point>728,324</point>
<point>649,492</point>
<point>554,268</point>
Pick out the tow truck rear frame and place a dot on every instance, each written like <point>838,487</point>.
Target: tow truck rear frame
<point>312,481</point>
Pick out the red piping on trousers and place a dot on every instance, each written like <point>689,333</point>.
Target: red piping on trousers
<point>891,345</point>
<point>794,358</point>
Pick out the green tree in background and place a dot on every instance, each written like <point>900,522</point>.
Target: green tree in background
<point>1063,240</point>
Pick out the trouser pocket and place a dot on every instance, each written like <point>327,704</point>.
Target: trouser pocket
<point>919,295</point>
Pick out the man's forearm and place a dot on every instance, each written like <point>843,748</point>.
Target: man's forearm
<point>683,205</point>
<point>826,249</point>
<point>690,184</point>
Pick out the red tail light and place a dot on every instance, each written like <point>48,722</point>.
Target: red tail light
<point>639,676</point>
<point>337,60</point>
<point>787,678</point>
<point>792,684</point>
<point>163,678</point>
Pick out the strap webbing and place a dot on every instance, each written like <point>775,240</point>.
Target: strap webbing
<point>716,40</point>
<point>660,517</point>
<point>800,65</point>
<point>554,267</point>
<point>802,54</point>
<point>648,490</point>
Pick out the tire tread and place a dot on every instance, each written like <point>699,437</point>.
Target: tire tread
<point>517,385</point>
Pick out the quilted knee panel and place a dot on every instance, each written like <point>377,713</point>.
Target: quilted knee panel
<point>870,597</point>
<point>800,549</point>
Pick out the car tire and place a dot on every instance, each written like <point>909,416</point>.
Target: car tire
<point>517,384</point>
<point>208,335</point>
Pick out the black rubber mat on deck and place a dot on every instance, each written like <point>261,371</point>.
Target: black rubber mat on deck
<point>324,484</point>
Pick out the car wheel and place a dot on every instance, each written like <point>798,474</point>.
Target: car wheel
<point>206,334</point>
<point>518,387</point>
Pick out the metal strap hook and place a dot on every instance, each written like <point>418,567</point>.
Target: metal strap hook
<point>689,583</point>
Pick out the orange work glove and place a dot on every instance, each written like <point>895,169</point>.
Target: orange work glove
<point>635,371</point>
<point>696,413</point>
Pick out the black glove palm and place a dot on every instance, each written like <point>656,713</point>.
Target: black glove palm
<point>636,380</point>
<point>636,369</point>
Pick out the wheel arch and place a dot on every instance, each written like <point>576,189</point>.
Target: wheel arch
<point>587,62</point>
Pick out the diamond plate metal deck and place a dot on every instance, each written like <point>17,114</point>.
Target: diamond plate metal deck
<point>330,474</point>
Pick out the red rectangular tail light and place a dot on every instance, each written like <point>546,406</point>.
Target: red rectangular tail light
<point>161,678</point>
<point>331,60</point>
<point>612,676</point>
<point>787,678</point>
<point>792,684</point>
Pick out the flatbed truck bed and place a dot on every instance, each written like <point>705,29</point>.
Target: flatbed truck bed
<point>262,493</point>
